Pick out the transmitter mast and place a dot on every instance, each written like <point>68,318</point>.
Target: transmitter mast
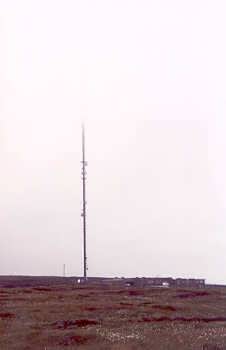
<point>84,165</point>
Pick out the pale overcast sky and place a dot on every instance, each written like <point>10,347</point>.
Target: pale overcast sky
<point>149,79</point>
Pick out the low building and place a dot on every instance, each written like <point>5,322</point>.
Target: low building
<point>164,282</point>
<point>190,282</point>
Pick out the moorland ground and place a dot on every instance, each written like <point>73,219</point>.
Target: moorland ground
<point>58,315</point>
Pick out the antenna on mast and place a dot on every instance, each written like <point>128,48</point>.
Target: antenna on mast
<point>84,164</point>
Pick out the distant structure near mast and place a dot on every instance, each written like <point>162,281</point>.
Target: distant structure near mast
<point>84,164</point>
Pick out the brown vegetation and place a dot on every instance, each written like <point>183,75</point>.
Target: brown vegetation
<point>70,323</point>
<point>6,315</point>
<point>97,317</point>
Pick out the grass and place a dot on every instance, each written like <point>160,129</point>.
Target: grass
<point>94,317</point>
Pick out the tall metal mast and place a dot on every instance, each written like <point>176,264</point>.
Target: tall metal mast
<point>84,164</point>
